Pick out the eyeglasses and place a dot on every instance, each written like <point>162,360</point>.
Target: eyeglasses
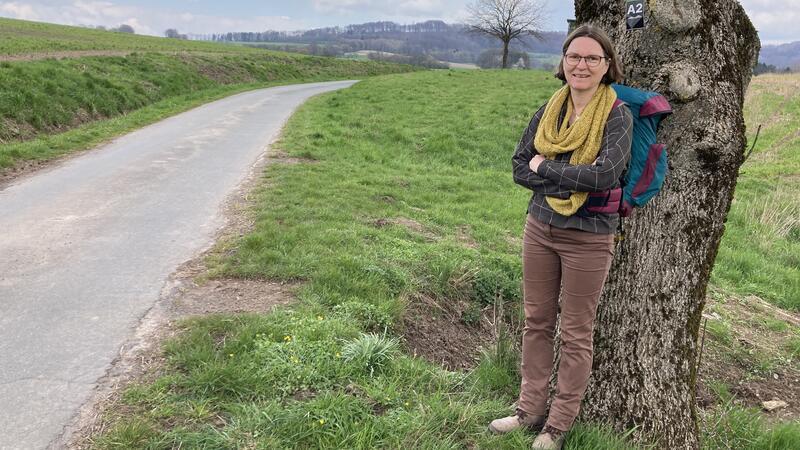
<point>573,59</point>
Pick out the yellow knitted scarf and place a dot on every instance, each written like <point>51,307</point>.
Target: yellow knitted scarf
<point>583,138</point>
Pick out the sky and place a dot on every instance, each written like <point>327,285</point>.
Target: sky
<point>776,20</point>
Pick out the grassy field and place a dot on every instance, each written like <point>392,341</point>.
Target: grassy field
<point>49,107</point>
<point>20,37</point>
<point>403,196</point>
<point>760,251</point>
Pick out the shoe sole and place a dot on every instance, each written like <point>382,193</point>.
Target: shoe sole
<point>533,428</point>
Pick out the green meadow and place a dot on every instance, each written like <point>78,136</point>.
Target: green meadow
<point>760,251</point>
<point>402,197</point>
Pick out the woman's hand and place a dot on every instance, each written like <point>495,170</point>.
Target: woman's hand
<point>534,164</point>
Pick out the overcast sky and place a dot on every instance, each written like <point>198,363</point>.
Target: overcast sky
<point>776,20</point>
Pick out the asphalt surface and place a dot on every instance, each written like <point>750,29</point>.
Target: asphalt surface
<point>86,247</point>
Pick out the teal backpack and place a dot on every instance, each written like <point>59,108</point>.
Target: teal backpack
<point>648,165</point>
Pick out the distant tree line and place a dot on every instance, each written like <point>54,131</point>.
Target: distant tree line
<point>442,41</point>
<point>124,28</point>
<point>174,34</point>
<point>768,68</point>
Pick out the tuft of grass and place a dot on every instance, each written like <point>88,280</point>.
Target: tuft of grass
<point>732,426</point>
<point>599,438</point>
<point>127,435</point>
<point>779,215</point>
<point>793,347</point>
<point>371,352</point>
<point>721,331</point>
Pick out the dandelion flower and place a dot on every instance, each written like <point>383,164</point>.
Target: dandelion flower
<point>322,421</point>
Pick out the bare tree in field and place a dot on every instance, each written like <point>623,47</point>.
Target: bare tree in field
<point>506,20</point>
<point>700,54</point>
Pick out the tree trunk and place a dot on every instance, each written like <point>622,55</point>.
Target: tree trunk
<point>700,55</point>
<point>505,54</point>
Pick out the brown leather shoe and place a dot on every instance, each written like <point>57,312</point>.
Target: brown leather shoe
<point>549,439</point>
<point>518,420</point>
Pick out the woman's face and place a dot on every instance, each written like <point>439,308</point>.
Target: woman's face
<point>583,76</point>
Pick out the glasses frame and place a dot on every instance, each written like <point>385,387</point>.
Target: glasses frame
<point>584,58</point>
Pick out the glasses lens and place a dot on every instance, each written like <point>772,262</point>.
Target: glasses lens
<point>573,59</point>
<point>593,60</point>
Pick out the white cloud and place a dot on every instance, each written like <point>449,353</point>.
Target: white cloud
<point>775,20</point>
<point>143,20</point>
<point>389,9</point>
<point>18,11</point>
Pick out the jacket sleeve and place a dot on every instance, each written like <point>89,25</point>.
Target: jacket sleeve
<point>611,162</point>
<point>523,175</point>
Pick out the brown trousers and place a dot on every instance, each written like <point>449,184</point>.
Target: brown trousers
<point>573,264</point>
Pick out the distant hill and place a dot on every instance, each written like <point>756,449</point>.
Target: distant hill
<point>446,42</point>
<point>781,56</point>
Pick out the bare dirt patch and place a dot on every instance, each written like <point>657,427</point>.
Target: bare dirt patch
<point>749,390</point>
<point>410,224</point>
<point>20,170</point>
<point>12,130</point>
<point>232,295</point>
<point>281,157</point>
<point>737,364</point>
<point>464,236</point>
<point>440,334</point>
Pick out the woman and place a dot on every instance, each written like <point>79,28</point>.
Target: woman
<point>577,143</point>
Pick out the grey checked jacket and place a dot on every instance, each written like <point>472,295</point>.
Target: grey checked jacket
<point>559,178</point>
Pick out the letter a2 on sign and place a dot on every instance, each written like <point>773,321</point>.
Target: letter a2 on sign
<point>634,14</point>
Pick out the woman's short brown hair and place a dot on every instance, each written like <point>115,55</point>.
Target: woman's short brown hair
<point>614,74</point>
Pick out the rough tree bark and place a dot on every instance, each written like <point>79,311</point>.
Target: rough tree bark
<point>700,54</point>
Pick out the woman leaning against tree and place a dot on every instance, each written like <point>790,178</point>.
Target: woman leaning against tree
<point>578,143</point>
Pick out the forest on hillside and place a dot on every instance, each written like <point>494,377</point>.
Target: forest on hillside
<point>440,40</point>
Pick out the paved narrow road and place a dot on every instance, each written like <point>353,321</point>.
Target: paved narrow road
<point>85,248</point>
